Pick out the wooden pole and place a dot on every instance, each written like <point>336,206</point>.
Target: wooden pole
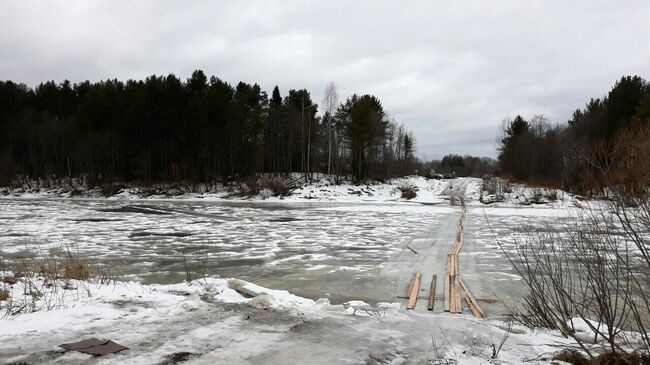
<point>432,292</point>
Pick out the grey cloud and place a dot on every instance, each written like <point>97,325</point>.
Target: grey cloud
<point>450,71</point>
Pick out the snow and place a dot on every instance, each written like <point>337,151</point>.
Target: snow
<point>155,321</point>
<point>323,189</point>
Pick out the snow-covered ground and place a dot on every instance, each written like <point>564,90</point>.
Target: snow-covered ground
<point>321,189</point>
<point>348,244</point>
<point>218,325</point>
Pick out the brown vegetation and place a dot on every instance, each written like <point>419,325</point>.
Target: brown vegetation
<point>408,192</point>
<point>607,358</point>
<point>77,269</point>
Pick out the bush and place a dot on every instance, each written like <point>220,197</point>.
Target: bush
<point>110,188</point>
<point>408,192</point>
<point>572,357</point>
<point>4,295</point>
<point>277,186</point>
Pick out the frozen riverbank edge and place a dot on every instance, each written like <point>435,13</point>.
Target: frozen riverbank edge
<point>211,319</point>
<point>322,190</point>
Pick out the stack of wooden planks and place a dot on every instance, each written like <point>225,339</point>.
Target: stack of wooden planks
<point>452,286</point>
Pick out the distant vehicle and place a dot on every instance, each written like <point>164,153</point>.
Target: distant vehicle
<point>433,175</point>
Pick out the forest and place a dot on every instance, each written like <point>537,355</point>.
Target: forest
<point>603,145</point>
<point>163,129</point>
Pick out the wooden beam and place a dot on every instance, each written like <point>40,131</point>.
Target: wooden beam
<point>472,299</point>
<point>415,289</point>
<point>441,297</point>
<point>447,293</point>
<point>432,293</point>
<point>459,305</point>
<point>408,290</point>
<point>452,295</point>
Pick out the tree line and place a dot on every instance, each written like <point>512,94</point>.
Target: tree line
<point>463,166</point>
<point>605,144</point>
<point>163,129</point>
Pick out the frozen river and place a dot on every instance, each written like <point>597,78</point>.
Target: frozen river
<point>308,248</point>
<point>340,251</point>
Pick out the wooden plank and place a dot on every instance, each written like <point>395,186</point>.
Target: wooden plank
<point>432,293</point>
<point>408,290</point>
<point>447,302</point>
<point>459,305</point>
<point>452,290</point>
<point>471,306</point>
<point>472,299</point>
<point>441,297</point>
<point>413,295</point>
<point>470,303</point>
<point>452,297</point>
<point>419,297</point>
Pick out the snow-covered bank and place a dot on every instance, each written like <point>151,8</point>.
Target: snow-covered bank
<point>215,324</point>
<point>322,189</point>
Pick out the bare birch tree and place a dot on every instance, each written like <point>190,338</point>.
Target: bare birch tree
<point>330,104</point>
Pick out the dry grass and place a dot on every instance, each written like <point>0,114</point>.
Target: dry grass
<point>77,269</point>
<point>607,358</point>
<point>571,357</point>
<point>4,295</point>
<point>46,279</point>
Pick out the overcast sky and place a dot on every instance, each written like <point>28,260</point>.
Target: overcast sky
<point>450,71</point>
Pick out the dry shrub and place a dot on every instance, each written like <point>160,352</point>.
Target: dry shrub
<point>4,295</point>
<point>408,192</point>
<point>620,358</point>
<point>572,357</point>
<point>598,277</point>
<point>11,280</point>
<point>110,188</point>
<point>76,269</point>
<point>277,186</point>
<point>249,186</point>
<point>543,182</point>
